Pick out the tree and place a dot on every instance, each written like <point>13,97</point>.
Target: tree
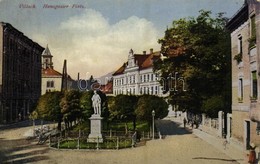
<point>199,50</point>
<point>147,103</point>
<point>122,107</point>
<point>86,104</point>
<point>48,107</point>
<point>70,107</point>
<point>104,107</point>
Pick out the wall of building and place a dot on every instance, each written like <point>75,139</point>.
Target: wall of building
<point>243,124</point>
<point>57,84</point>
<point>122,84</point>
<point>21,74</point>
<point>1,72</point>
<point>237,126</point>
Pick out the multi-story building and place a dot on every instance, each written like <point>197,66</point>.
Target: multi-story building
<point>136,76</point>
<point>20,74</point>
<point>245,48</point>
<point>52,79</point>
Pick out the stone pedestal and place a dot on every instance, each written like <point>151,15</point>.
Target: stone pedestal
<point>95,129</point>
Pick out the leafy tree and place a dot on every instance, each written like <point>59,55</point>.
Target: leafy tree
<point>122,107</point>
<point>70,107</point>
<point>199,50</point>
<point>147,103</point>
<point>104,107</point>
<point>86,104</point>
<point>48,107</point>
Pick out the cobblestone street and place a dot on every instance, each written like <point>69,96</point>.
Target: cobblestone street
<point>180,146</point>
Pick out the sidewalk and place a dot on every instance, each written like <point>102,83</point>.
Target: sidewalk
<point>231,150</point>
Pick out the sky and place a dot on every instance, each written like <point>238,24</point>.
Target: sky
<point>95,36</point>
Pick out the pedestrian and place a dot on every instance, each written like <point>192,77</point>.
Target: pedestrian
<point>252,154</point>
<point>134,138</point>
<point>192,123</point>
<point>184,122</point>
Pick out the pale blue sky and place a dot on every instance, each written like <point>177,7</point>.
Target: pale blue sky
<point>97,38</point>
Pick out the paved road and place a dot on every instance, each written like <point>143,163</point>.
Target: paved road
<point>180,146</point>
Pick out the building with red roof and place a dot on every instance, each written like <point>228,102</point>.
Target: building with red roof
<point>51,79</point>
<point>136,76</point>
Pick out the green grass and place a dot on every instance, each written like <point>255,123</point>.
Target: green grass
<point>120,126</point>
<point>83,126</point>
<point>107,144</point>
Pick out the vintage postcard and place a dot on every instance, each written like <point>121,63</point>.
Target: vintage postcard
<point>129,81</point>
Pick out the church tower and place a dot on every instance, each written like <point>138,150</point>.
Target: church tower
<point>47,59</point>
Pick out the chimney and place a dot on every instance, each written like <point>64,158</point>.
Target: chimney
<point>151,50</point>
<point>144,52</point>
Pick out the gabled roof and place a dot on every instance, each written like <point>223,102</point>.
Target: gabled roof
<point>48,72</point>
<point>149,61</point>
<point>143,61</point>
<point>140,59</point>
<point>120,70</point>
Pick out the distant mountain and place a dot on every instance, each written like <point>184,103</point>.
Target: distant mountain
<point>105,78</point>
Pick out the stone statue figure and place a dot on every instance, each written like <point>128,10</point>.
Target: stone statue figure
<point>96,103</point>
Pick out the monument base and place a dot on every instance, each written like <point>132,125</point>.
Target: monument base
<point>95,129</point>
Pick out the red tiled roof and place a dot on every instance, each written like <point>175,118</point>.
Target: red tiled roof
<point>108,88</point>
<point>143,61</point>
<point>120,70</point>
<point>149,61</point>
<point>50,72</point>
<point>140,59</point>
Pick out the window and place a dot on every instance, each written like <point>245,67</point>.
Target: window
<point>50,84</point>
<point>141,90</point>
<point>240,89</point>
<point>240,45</point>
<point>253,26</point>
<point>156,90</point>
<point>156,77</point>
<point>148,78</point>
<point>141,78</point>
<point>152,90</point>
<point>254,85</point>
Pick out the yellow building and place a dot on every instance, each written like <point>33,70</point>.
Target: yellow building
<point>245,47</point>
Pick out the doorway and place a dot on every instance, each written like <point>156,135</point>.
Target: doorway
<point>247,134</point>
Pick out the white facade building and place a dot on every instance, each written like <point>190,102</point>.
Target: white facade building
<point>136,76</point>
<point>51,79</point>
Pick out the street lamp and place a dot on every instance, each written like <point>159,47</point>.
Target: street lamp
<point>153,114</point>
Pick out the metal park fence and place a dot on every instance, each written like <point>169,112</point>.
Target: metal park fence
<point>111,140</point>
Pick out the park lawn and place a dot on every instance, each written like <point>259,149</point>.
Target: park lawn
<point>115,126</point>
<point>120,126</point>
<point>110,143</point>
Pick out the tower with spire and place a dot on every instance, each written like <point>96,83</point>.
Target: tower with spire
<point>47,58</point>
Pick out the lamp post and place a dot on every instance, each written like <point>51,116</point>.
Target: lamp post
<point>153,114</point>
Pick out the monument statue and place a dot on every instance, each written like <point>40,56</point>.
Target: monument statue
<point>95,121</point>
<point>96,103</point>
